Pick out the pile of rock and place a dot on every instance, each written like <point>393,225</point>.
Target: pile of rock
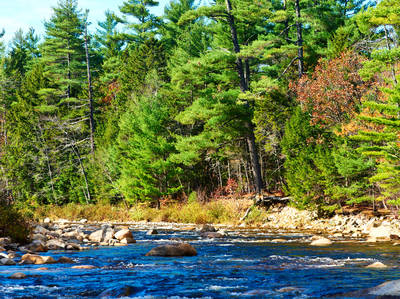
<point>373,229</point>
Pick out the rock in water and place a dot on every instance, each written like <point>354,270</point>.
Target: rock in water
<point>65,260</point>
<point>180,249</point>
<point>87,267</point>
<point>37,259</point>
<point>207,228</point>
<point>389,289</point>
<point>377,265</point>
<point>55,244</point>
<point>97,236</point>
<point>18,275</point>
<point>122,234</point>
<point>321,242</point>
<point>126,291</point>
<point>152,232</point>
<point>7,262</point>
<point>37,246</point>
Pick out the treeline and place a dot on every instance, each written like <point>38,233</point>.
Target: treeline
<point>299,96</point>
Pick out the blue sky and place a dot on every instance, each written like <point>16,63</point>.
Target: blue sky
<point>15,14</point>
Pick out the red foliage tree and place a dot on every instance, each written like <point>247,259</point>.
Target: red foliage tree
<point>333,93</point>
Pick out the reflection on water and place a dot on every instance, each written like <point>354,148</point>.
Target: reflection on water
<point>245,265</point>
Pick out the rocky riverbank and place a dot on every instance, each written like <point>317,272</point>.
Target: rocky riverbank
<point>79,235</point>
<point>358,227</point>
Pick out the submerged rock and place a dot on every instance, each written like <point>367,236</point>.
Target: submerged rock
<point>18,275</point>
<point>65,260</point>
<point>212,235</point>
<point>88,267</point>
<point>179,249</point>
<point>118,292</point>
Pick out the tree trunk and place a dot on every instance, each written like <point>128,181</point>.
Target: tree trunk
<point>244,81</point>
<point>300,53</point>
<point>89,76</point>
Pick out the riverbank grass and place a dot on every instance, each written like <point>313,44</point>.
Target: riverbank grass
<point>226,211</point>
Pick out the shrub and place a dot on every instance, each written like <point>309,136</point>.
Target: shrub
<point>13,224</point>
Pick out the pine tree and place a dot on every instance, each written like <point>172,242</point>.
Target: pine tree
<point>65,111</point>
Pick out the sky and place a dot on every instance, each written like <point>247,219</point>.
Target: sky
<point>16,14</point>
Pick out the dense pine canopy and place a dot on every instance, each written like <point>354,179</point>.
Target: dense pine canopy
<point>296,96</point>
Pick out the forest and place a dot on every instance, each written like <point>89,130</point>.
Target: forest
<point>292,97</point>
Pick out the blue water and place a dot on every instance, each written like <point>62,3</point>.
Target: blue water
<point>248,266</point>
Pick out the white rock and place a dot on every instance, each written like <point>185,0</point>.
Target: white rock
<point>97,236</point>
<point>376,265</point>
<point>46,220</point>
<point>122,234</point>
<point>321,242</point>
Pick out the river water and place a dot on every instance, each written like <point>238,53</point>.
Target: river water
<point>244,265</point>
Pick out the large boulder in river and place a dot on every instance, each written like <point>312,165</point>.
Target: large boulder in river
<point>179,249</point>
<point>122,234</point>
<point>389,289</point>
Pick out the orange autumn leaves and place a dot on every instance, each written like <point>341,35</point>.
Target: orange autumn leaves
<point>332,95</point>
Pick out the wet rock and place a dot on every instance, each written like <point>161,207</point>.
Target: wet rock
<point>87,267</point>
<point>212,235</point>
<point>36,259</point>
<point>12,254</point>
<point>73,246</point>
<point>18,275</point>
<point>65,260</point>
<point>389,289</point>
<point>278,240</point>
<point>128,241</point>
<point>37,246</point>
<point>152,232</point>
<point>321,242</point>
<point>376,265</point>
<point>207,228</point>
<point>55,244</point>
<point>179,249</point>
<point>288,290</point>
<point>122,234</point>
<point>42,269</point>
<point>7,262</point>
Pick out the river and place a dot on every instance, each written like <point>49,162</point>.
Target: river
<point>246,264</point>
